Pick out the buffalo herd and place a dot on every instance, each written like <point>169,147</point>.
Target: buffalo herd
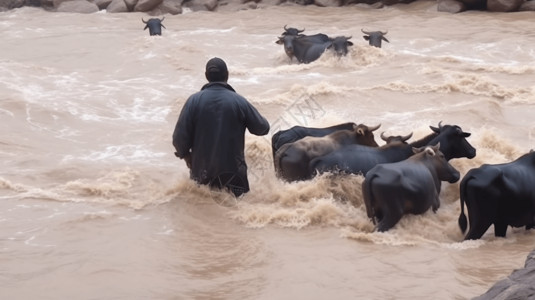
<point>399,177</point>
<point>405,178</point>
<point>308,48</point>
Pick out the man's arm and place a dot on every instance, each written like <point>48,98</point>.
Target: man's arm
<point>183,134</point>
<point>255,122</point>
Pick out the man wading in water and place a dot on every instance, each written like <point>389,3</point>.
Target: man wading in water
<point>210,132</point>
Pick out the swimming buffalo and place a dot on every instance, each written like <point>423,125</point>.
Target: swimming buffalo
<point>292,159</point>
<point>318,38</point>
<point>499,194</point>
<point>308,48</point>
<point>357,159</point>
<point>298,132</point>
<point>154,25</point>
<point>375,37</point>
<point>340,45</point>
<point>409,186</point>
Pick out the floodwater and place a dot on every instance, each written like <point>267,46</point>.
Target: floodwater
<point>94,204</point>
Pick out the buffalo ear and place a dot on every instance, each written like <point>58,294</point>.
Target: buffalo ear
<point>384,39</point>
<point>435,129</point>
<point>417,150</point>
<point>366,37</point>
<point>349,43</point>
<point>466,134</point>
<point>279,41</point>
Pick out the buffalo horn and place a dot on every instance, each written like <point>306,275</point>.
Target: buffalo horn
<point>383,137</point>
<point>161,20</point>
<point>374,128</point>
<point>143,21</point>
<point>364,31</point>
<point>383,33</point>
<point>405,138</point>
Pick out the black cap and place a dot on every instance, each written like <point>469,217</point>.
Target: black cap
<point>216,70</point>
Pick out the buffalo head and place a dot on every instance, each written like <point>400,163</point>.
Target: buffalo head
<point>395,138</point>
<point>375,37</point>
<point>339,45</point>
<point>292,31</point>
<point>154,25</point>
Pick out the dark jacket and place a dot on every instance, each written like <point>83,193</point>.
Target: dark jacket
<point>212,126</point>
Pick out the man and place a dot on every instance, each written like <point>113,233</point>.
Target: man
<point>210,132</point>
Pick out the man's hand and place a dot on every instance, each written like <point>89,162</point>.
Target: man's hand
<point>187,159</point>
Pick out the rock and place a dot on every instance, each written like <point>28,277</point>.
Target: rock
<point>519,285</point>
<point>102,4</point>
<point>328,3</point>
<point>117,6</point>
<point>173,7</point>
<point>476,4</point>
<point>56,3</point>
<point>201,5</point>
<point>10,4</point>
<point>47,3</point>
<point>32,3</point>
<point>527,6</point>
<point>147,5</point>
<point>451,6</point>
<point>236,5</point>
<point>130,4</point>
<point>78,6</point>
<point>389,2</point>
<point>270,2</point>
<point>503,5</point>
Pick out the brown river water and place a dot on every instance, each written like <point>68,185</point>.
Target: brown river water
<point>94,204</point>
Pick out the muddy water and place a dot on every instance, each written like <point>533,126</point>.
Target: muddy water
<point>94,205</point>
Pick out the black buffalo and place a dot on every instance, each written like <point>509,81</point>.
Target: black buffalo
<point>374,38</point>
<point>308,48</point>
<point>500,194</point>
<point>292,159</point>
<point>319,38</point>
<point>154,25</point>
<point>357,159</point>
<point>411,186</point>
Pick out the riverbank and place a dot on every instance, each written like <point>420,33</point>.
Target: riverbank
<point>174,7</point>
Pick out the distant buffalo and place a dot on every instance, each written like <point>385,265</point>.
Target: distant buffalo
<point>154,25</point>
<point>374,38</point>
<point>309,48</point>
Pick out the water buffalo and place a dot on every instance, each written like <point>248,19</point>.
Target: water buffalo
<point>154,25</point>
<point>375,37</point>
<point>308,48</point>
<point>292,159</point>
<point>499,194</point>
<point>298,132</point>
<point>409,186</point>
<point>318,38</point>
<point>339,45</point>
<point>357,159</point>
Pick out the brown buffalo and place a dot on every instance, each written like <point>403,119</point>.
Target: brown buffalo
<point>292,159</point>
